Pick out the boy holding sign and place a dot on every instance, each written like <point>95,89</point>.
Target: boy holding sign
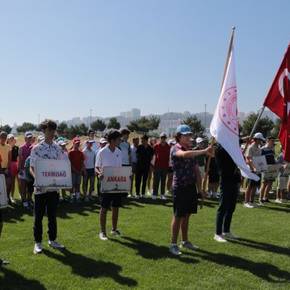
<point>109,156</point>
<point>46,200</point>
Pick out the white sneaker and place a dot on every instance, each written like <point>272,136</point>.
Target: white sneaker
<point>115,233</point>
<point>55,245</point>
<point>188,245</point>
<point>219,238</point>
<point>230,236</point>
<point>163,197</point>
<point>174,250</point>
<point>103,236</point>
<point>154,197</point>
<point>277,200</point>
<point>37,248</point>
<point>248,205</point>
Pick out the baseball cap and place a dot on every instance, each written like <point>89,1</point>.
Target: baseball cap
<point>90,141</point>
<point>163,135</point>
<point>28,134</point>
<point>183,130</point>
<point>10,136</point>
<point>76,140</point>
<point>259,136</point>
<point>103,141</point>
<point>61,143</point>
<point>199,140</point>
<point>171,142</point>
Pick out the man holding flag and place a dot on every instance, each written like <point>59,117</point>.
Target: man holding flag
<point>225,129</point>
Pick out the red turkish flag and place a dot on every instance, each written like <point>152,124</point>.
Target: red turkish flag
<point>278,101</point>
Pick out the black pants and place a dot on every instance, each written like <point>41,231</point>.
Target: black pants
<point>141,176</point>
<point>227,206</point>
<point>45,203</point>
<point>159,176</point>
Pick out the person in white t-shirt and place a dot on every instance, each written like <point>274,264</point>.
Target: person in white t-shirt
<point>89,172</point>
<point>109,156</point>
<point>125,147</point>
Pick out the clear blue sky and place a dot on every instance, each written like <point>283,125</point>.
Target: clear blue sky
<point>62,58</point>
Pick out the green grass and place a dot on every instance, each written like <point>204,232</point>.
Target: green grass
<point>140,259</point>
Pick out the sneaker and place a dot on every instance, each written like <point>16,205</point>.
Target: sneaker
<point>230,236</point>
<point>154,197</point>
<point>115,233</point>
<point>248,205</point>
<point>188,245</point>
<point>37,248</point>
<point>137,196</point>
<point>174,250</point>
<point>103,236</point>
<point>163,197</point>
<point>266,200</point>
<point>55,245</point>
<point>277,200</point>
<point>219,238</point>
<point>3,262</point>
<point>25,204</point>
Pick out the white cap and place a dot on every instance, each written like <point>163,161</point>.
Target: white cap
<point>103,141</point>
<point>259,136</point>
<point>199,140</point>
<point>61,143</point>
<point>171,142</point>
<point>10,136</point>
<point>28,134</point>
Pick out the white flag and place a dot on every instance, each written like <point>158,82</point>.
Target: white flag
<point>224,126</point>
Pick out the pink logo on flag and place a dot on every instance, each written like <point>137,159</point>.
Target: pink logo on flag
<point>228,112</point>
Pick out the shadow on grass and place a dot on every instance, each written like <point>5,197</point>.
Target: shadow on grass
<point>17,213</point>
<point>262,246</point>
<point>150,251</point>
<point>265,271</point>
<point>280,208</point>
<point>90,268</point>
<point>13,280</point>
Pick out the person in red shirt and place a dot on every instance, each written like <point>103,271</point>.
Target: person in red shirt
<point>161,166</point>
<point>77,159</point>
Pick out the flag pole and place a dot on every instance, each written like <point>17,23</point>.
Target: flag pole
<point>228,54</point>
<point>223,79</point>
<point>254,128</point>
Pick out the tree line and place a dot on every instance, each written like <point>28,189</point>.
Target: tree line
<point>145,125</point>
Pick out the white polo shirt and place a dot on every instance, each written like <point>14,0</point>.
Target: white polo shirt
<point>108,158</point>
<point>90,158</point>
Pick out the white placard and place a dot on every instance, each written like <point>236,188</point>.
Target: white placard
<point>116,179</point>
<point>3,192</point>
<point>272,171</point>
<point>53,174</point>
<point>260,163</point>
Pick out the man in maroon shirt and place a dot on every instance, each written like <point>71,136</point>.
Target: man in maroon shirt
<point>161,152</point>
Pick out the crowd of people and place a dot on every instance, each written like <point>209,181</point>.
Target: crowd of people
<point>184,169</point>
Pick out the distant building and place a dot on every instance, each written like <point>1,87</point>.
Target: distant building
<point>134,114</point>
